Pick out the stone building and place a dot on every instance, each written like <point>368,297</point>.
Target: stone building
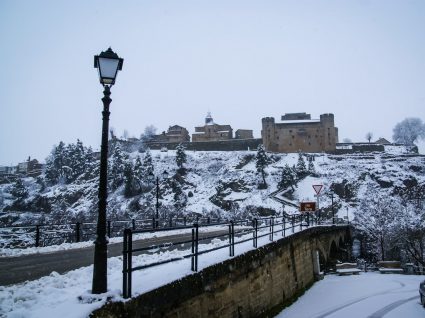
<point>244,134</point>
<point>298,132</point>
<point>212,131</point>
<point>174,133</point>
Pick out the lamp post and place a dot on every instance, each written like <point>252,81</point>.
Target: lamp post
<point>108,63</point>
<point>164,176</point>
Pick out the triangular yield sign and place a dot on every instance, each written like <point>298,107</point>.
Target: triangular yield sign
<point>317,188</point>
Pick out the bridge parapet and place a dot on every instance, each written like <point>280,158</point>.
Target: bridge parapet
<point>259,282</point>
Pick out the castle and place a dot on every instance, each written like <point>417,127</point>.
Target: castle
<point>298,132</point>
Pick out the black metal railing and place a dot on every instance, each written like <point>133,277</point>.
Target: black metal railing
<point>52,234</point>
<point>259,227</point>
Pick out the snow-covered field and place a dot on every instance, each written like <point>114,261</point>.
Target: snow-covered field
<point>371,295</point>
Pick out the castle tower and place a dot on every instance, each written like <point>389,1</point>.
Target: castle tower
<point>268,133</point>
<point>330,132</point>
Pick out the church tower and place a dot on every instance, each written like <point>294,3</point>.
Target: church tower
<point>209,120</point>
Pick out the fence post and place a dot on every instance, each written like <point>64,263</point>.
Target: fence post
<point>255,232</point>
<point>153,222</point>
<point>170,222</point>
<point>293,223</point>
<point>127,262</point>
<point>193,251</point>
<point>208,220</point>
<point>124,265</point>
<point>37,235</point>
<point>77,232</point>
<point>184,221</point>
<point>232,238</point>
<point>130,260</point>
<point>133,224</point>
<point>271,228</point>
<point>109,228</point>
<point>196,245</point>
<point>308,219</point>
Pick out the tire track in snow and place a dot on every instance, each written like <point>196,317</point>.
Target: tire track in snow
<point>348,304</point>
<point>385,310</point>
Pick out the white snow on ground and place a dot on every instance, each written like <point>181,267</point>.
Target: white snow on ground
<point>68,295</point>
<point>357,296</point>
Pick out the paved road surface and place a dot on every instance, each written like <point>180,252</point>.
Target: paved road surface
<point>29,267</point>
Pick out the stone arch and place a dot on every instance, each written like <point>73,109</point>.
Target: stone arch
<point>333,255</point>
<point>319,258</point>
<point>341,243</point>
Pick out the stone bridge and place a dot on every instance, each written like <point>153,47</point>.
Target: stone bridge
<point>259,283</point>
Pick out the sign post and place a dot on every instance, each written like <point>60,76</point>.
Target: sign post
<point>317,188</point>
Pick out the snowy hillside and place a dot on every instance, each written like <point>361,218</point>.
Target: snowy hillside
<point>220,183</point>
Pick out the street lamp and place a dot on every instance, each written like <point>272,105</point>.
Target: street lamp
<point>164,176</point>
<point>108,63</point>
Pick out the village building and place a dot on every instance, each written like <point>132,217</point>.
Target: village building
<point>244,134</point>
<point>298,132</point>
<point>382,141</point>
<point>212,131</point>
<point>174,133</point>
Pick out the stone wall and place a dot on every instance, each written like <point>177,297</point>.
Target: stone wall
<point>362,148</point>
<point>258,283</point>
<point>224,145</point>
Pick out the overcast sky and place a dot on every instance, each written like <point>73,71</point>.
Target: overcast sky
<point>243,60</point>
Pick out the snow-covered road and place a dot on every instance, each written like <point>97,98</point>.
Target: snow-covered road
<point>370,295</point>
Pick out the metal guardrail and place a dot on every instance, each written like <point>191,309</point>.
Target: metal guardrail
<point>256,226</point>
<point>52,234</point>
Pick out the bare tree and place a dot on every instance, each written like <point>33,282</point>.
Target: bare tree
<point>409,131</point>
<point>112,132</point>
<point>149,132</point>
<point>369,136</point>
